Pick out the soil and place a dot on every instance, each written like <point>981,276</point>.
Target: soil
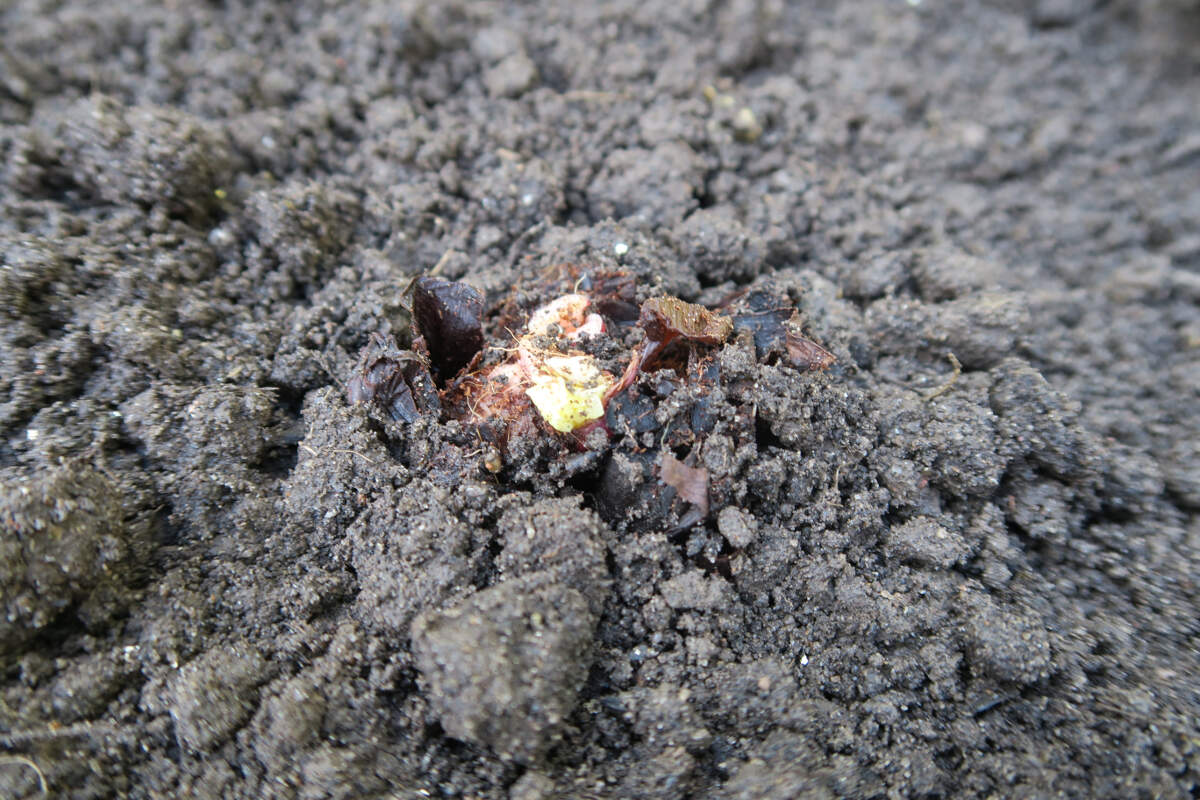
<point>961,562</point>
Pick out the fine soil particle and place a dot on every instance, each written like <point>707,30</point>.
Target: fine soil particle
<point>908,507</point>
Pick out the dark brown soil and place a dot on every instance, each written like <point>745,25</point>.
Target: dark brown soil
<point>962,562</point>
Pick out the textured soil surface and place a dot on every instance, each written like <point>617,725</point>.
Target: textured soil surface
<point>961,562</point>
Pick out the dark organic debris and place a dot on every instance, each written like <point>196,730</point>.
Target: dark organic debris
<point>545,379</point>
<point>448,316</point>
<point>766,328</point>
<point>775,328</point>
<point>764,318</point>
<point>614,294</point>
<point>398,381</point>
<point>807,354</point>
<point>667,320</point>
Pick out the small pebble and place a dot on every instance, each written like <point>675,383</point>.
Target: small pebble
<point>745,125</point>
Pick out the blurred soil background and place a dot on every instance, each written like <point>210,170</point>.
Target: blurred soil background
<point>219,579</point>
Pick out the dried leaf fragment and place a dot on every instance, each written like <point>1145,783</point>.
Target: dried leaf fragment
<point>398,381</point>
<point>668,318</point>
<point>691,483</point>
<point>807,354</point>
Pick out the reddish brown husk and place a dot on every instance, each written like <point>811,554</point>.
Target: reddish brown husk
<point>775,327</point>
<point>448,315</point>
<point>397,381</point>
<point>480,399</point>
<point>691,483</point>
<point>666,320</point>
<point>806,354</point>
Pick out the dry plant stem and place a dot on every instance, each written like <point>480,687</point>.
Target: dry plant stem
<point>949,384</point>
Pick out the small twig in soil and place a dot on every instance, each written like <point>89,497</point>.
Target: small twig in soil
<point>441,262</point>
<point>948,385</point>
